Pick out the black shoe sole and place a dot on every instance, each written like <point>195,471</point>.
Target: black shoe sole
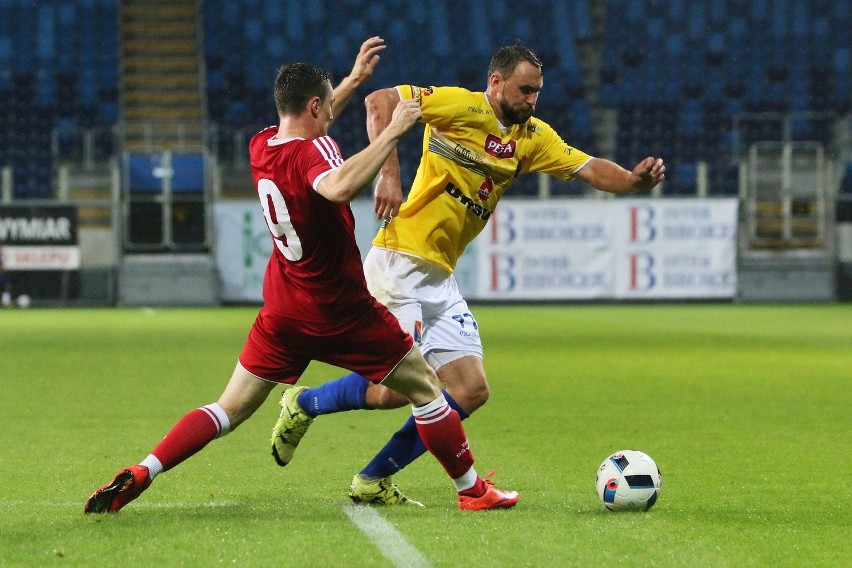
<point>278,460</point>
<point>101,501</point>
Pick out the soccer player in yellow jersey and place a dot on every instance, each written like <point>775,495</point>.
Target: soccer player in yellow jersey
<point>475,144</point>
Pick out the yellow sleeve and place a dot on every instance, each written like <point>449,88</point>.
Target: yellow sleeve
<point>553,156</point>
<point>440,105</point>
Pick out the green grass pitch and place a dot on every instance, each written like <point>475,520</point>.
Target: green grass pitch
<point>746,410</point>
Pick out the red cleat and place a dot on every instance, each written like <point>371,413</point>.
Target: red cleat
<point>128,484</point>
<point>493,498</point>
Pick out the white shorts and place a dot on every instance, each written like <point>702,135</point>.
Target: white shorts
<point>426,300</point>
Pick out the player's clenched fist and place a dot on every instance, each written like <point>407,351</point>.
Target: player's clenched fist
<point>651,171</point>
<point>405,114</point>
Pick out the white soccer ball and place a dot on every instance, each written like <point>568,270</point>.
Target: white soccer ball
<point>23,301</point>
<point>628,480</point>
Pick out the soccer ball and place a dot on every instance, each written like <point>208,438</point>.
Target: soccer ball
<point>23,301</point>
<point>628,480</point>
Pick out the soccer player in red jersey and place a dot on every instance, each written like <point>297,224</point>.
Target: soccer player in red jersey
<point>316,302</point>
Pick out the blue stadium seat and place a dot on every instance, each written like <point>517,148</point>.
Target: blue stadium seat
<point>760,11</point>
<point>695,22</point>
<point>45,89</point>
<point>778,23</point>
<point>724,179</point>
<point>691,118</point>
<point>581,19</point>
<point>684,56</point>
<point>676,10</point>
<point>142,174</point>
<point>800,20</point>
<point>631,11</point>
<point>842,79</point>
<point>656,29</point>
<point>609,88</point>
<point>682,180</point>
<point>188,175</point>
<point>717,14</point>
<point>107,112</point>
<point>478,33</point>
<point>45,33</point>
<point>441,41</point>
<point>69,141</point>
<point>315,13</point>
<point>846,181</point>
<point>842,13</point>
<point>275,15</point>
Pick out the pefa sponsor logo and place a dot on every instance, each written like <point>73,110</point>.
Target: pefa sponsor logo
<point>480,211</point>
<point>495,147</point>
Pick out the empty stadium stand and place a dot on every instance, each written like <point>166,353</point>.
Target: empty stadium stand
<point>85,85</point>
<point>676,72</point>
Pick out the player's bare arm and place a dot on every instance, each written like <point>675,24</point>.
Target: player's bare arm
<point>342,185</point>
<point>608,176</point>
<point>388,193</point>
<point>362,70</point>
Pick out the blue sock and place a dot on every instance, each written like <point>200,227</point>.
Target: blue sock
<point>345,393</point>
<point>404,447</point>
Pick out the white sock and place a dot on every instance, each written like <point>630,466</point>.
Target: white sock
<point>466,481</point>
<point>154,466</point>
<point>220,418</point>
<point>431,411</point>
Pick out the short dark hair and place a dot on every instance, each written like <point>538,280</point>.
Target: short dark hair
<point>507,58</point>
<point>298,83</point>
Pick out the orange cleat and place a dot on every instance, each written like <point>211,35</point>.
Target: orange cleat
<point>493,498</point>
<point>128,484</point>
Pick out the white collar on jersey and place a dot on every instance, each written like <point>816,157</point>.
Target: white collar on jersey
<point>278,141</point>
<point>505,128</point>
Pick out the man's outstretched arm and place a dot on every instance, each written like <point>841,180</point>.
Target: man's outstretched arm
<point>608,176</point>
<point>365,63</point>
<point>388,193</point>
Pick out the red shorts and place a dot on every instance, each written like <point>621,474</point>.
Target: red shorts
<point>279,349</point>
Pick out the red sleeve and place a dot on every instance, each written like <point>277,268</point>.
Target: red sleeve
<point>324,158</point>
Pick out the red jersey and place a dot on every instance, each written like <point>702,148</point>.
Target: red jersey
<point>315,272</point>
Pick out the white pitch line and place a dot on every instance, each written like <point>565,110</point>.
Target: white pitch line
<point>385,537</point>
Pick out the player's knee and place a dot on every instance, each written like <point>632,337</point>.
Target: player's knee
<point>470,394</point>
<point>477,396</point>
<point>418,389</point>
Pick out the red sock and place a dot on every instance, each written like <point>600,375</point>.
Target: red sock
<point>441,430</point>
<point>478,489</point>
<point>192,432</point>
